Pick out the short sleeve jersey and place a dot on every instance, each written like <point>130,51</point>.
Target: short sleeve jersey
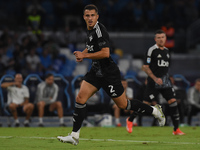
<point>158,60</point>
<point>17,95</point>
<point>98,38</point>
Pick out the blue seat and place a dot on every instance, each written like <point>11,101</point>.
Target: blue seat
<point>32,81</point>
<point>63,94</point>
<point>133,83</point>
<point>3,94</point>
<point>181,81</point>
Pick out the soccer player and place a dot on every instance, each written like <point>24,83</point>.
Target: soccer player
<point>104,74</point>
<point>156,65</point>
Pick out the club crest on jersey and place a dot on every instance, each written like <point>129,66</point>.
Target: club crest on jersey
<point>167,55</point>
<point>148,60</point>
<point>90,48</point>
<point>90,38</point>
<point>162,63</point>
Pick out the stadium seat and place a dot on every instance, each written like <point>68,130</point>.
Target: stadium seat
<point>32,81</point>
<point>63,94</point>
<point>133,83</point>
<point>3,97</point>
<point>181,81</point>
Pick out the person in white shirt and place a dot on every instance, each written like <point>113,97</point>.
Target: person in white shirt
<point>18,98</point>
<point>46,97</point>
<point>193,96</point>
<point>33,61</point>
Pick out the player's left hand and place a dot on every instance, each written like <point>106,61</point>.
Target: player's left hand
<point>79,56</point>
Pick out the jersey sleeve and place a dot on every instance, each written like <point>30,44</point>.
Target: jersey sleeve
<point>147,58</point>
<point>103,37</point>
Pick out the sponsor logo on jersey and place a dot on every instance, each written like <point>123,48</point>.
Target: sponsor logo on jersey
<point>162,63</point>
<point>151,96</point>
<point>159,56</point>
<point>114,94</point>
<point>90,48</point>
<point>148,60</point>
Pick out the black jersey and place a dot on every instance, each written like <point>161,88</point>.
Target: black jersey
<point>158,60</point>
<point>98,38</point>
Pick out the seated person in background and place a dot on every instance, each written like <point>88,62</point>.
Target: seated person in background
<point>18,99</point>
<point>194,100</point>
<point>46,97</point>
<point>93,104</point>
<point>129,95</point>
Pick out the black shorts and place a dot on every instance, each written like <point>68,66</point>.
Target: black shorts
<point>110,82</point>
<point>151,93</point>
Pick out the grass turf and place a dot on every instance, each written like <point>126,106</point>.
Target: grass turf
<point>142,138</point>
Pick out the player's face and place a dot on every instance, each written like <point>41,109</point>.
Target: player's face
<point>90,17</point>
<point>160,39</point>
<point>18,78</point>
<point>50,80</point>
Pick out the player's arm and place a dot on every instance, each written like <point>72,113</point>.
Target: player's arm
<point>103,53</point>
<point>148,71</point>
<point>80,59</point>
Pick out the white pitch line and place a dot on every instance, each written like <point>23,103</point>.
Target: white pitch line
<point>106,140</point>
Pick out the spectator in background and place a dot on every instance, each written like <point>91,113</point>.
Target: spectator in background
<point>18,99</point>
<point>33,61</point>
<point>46,99</point>
<point>34,22</point>
<point>170,33</point>
<point>45,59</point>
<point>194,100</point>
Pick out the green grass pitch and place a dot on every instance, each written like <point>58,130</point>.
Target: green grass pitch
<point>99,138</point>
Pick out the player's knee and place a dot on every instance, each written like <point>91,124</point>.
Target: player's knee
<point>80,99</point>
<point>122,106</point>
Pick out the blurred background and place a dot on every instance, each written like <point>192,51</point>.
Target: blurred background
<point>39,36</point>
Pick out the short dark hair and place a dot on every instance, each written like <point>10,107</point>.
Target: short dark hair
<point>159,31</point>
<point>48,75</point>
<point>90,7</point>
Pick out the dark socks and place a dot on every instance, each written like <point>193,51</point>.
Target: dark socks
<point>139,107</point>
<point>174,114</point>
<point>133,116</point>
<point>78,116</point>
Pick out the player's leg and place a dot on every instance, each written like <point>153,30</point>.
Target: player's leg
<point>140,107</point>
<point>169,94</point>
<point>86,91</point>
<point>58,106</point>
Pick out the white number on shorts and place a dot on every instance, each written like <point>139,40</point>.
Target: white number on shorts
<point>111,88</point>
